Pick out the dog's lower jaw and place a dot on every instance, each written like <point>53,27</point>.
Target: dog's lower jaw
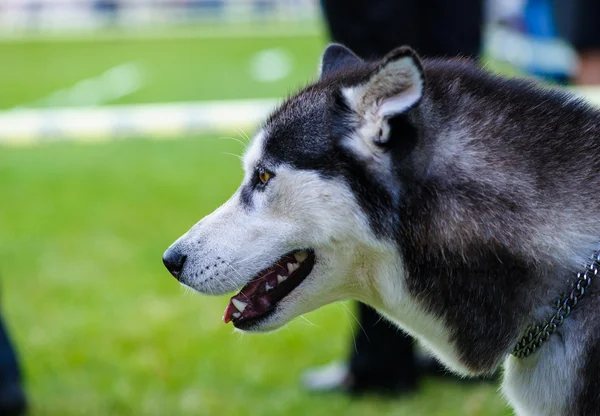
<point>273,321</point>
<point>261,325</point>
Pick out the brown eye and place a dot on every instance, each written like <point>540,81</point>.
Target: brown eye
<point>264,177</point>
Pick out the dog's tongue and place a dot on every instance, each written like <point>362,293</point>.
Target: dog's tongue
<point>247,309</point>
<point>249,301</point>
<point>228,314</point>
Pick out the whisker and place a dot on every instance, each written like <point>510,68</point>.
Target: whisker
<point>234,139</point>
<point>223,287</point>
<point>238,274</point>
<point>242,133</point>
<point>306,319</point>
<point>357,321</point>
<point>234,155</point>
<point>234,269</point>
<point>351,329</point>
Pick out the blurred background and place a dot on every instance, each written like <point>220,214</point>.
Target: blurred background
<point>92,193</point>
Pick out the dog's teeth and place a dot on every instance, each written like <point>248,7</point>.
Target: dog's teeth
<point>236,314</point>
<point>281,278</point>
<point>239,305</point>
<point>292,267</point>
<point>268,287</point>
<point>300,256</point>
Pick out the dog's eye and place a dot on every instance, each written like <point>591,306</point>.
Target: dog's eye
<point>263,176</point>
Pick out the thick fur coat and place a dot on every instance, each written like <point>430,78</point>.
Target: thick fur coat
<point>458,203</point>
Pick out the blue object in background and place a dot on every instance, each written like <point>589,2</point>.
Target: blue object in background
<point>539,18</point>
<point>540,25</point>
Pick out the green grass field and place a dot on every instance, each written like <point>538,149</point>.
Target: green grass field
<point>175,69</point>
<point>101,326</point>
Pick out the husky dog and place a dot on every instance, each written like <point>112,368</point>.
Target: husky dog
<point>457,203</point>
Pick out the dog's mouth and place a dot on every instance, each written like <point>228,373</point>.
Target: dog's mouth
<point>259,297</point>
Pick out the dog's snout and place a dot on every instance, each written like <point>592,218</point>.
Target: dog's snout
<point>174,260</point>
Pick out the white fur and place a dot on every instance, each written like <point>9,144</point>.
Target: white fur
<point>391,91</point>
<point>402,102</point>
<point>297,209</point>
<point>254,151</point>
<point>363,141</point>
<point>541,383</point>
<point>300,209</point>
<point>394,301</point>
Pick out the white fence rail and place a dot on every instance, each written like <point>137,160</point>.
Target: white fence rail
<point>27,126</point>
<point>174,120</point>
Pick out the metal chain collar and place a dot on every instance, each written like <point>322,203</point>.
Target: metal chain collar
<point>536,335</point>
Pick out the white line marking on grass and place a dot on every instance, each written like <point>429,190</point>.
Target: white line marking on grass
<point>117,82</point>
<point>170,120</point>
<point>271,65</point>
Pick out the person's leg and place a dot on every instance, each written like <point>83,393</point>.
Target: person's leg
<point>381,360</point>
<point>434,28</point>
<point>12,397</point>
<point>451,28</point>
<point>375,27</point>
<point>383,356</point>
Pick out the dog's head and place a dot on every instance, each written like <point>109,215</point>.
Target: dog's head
<point>313,221</point>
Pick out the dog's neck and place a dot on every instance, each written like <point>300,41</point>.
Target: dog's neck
<point>552,380</point>
<point>394,302</point>
<point>397,304</point>
<point>539,332</point>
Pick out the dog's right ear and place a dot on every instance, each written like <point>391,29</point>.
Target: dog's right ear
<point>337,57</point>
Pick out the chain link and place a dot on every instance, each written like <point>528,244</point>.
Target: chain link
<point>536,335</point>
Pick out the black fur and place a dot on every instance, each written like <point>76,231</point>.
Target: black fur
<point>588,402</point>
<point>337,57</point>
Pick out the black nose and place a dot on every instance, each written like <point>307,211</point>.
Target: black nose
<point>174,261</point>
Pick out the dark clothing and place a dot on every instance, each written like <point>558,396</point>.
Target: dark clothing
<point>9,369</point>
<point>432,27</point>
<point>577,22</point>
<point>12,397</point>
<point>383,357</point>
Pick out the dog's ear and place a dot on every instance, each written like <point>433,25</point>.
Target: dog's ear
<point>337,57</point>
<point>395,86</point>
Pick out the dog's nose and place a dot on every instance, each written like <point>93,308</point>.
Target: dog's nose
<point>174,260</point>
